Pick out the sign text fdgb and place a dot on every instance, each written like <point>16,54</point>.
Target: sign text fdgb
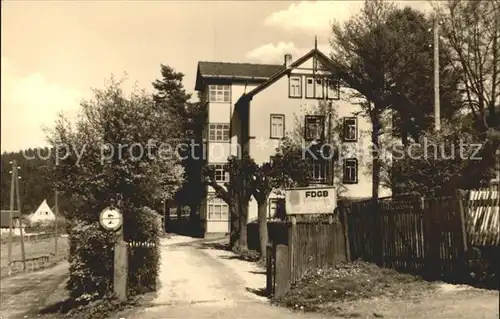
<point>319,200</point>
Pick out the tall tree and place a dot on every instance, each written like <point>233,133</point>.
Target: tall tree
<point>360,54</point>
<point>472,30</point>
<point>189,118</point>
<point>118,153</point>
<point>383,55</point>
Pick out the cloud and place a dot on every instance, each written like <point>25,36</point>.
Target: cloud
<point>271,53</point>
<point>274,53</point>
<point>312,16</point>
<point>317,16</point>
<point>29,103</point>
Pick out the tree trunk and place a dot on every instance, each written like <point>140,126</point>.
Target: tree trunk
<point>375,155</point>
<point>233,226</point>
<point>194,221</point>
<point>263,234</point>
<point>243,218</point>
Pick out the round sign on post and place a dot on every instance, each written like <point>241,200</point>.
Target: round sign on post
<point>111,219</point>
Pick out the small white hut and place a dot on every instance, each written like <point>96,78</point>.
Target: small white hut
<point>43,215</point>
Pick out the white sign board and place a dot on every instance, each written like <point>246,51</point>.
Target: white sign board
<point>309,200</point>
<point>111,219</point>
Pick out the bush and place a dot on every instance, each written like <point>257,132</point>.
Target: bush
<point>92,258</point>
<point>142,226</point>
<point>91,261</point>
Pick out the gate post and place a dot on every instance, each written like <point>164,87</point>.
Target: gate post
<point>282,271</point>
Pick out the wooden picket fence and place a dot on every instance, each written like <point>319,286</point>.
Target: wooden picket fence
<point>306,245</point>
<point>483,216</point>
<point>430,237</point>
<point>412,234</point>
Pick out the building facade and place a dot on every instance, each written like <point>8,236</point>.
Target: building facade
<point>252,107</point>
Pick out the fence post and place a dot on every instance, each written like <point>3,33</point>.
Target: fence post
<point>463,224</point>
<point>379,233</point>
<point>291,246</point>
<point>345,226</point>
<point>282,271</point>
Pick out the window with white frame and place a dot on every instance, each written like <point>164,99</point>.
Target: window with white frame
<point>309,87</point>
<point>332,89</point>
<point>219,93</point>
<point>218,132</point>
<point>221,173</point>
<point>295,86</point>
<point>314,126</point>
<point>217,209</point>
<point>350,129</point>
<point>350,171</point>
<point>318,87</point>
<point>273,205</point>
<point>318,171</point>
<point>322,87</point>
<point>277,126</point>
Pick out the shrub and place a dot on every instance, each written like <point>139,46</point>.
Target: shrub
<point>142,226</point>
<point>92,258</point>
<point>91,261</point>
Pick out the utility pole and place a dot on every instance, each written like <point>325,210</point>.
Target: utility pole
<point>437,107</point>
<point>55,221</point>
<point>11,212</point>
<point>23,253</point>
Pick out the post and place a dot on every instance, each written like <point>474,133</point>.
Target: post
<point>345,225</point>
<point>11,213</point>
<point>291,247</point>
<point>282,271</point>
<point>23,253</point>
<point>55,221</point>
<point>462,262</point>
<point>120,273</point>
<point>437,107</point>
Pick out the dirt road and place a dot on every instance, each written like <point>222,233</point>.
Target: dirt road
<point>23,295</point>
<point>207,283</point>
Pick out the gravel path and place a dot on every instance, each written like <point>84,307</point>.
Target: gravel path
<point>207,283</point>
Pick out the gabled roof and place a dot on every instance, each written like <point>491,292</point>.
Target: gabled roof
<point>5,216</point>
<point>44,207</point>
<point>234,71</point>
<point>284,71</point>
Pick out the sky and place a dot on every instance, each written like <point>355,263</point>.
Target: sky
<point>54,52</point>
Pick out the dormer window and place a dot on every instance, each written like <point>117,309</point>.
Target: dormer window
<point>295,86</point>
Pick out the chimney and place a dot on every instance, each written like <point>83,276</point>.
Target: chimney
<point>288,60</point>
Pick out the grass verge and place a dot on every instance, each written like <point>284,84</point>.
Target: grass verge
<point>325,289</point>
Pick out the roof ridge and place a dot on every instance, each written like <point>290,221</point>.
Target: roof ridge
<point>241,63</point>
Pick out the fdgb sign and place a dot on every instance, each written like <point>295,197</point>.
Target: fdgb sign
<point>318,200</point>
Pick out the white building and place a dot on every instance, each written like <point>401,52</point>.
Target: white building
<point>43,215</point>
<point>251,107</point>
